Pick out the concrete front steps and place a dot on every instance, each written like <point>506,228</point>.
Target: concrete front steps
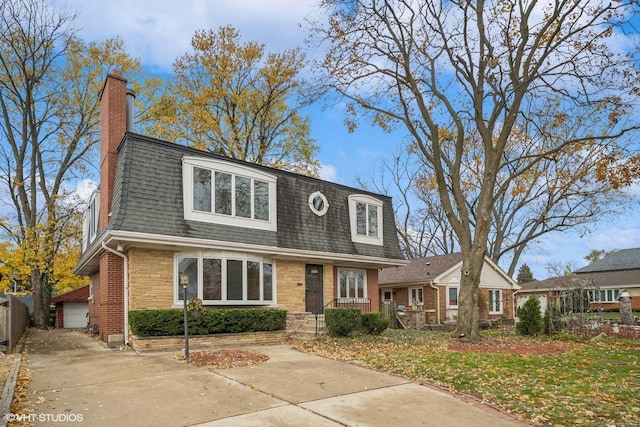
<point>302,326</point>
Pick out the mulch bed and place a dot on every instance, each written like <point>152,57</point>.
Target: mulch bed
<point>222,359</point>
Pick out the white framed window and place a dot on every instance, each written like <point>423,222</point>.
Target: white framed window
<point>365,215</point>
<point>387,296</point>
<point>90,220</point>
<point>495,301</point>
<point>228,193</point>
<point>226,279</point>
<point>318,203</point>
<point>452,296</point>
<point>604,295</point>
<point>352,283</point>
<point>416,296</point>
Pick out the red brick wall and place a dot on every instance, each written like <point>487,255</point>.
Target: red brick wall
<point>94,303</point>
<point>113,125</point>
<point>373,291</point>
<point>59,315</point>
<point>110,301</point>
<point>401,296</point>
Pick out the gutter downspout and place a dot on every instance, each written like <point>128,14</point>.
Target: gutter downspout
<point>437,301</point>
<point>126,289</point>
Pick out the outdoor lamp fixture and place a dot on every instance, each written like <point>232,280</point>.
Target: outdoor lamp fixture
<point>184,282</point>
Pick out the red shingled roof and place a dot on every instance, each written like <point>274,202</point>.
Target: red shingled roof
<point>80,294</point>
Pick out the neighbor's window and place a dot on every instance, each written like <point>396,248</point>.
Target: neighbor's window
<point>226,279</point>
<point>365,214</point>
<point>495,301</point>
<point>416,296</point>
<point>352,283</point>
<point>604,295</point>
<point>228,193</point>
<point>452,296</point>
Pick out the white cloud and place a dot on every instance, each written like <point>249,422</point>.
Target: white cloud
<point>84,189</point>
<point>158,31</point>
<point>329,173</point>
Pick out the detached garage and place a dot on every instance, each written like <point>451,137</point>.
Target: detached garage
<point>72,308</point>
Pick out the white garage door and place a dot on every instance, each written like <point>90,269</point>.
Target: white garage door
<point>75,314</point>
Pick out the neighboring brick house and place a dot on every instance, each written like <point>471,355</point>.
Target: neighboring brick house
<point>432,284</point>
<point>601,283</point>
<point>245,235</point>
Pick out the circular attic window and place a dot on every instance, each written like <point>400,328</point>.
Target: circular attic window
<point>318,203</point>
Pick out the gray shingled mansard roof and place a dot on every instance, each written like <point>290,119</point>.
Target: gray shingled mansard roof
<point>624,259</point>
<point>148,198</point>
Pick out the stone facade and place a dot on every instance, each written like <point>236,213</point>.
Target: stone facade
<point>290,285</point>
<point>151,275</point>
<point>209,342</point>
<point>150,279</point>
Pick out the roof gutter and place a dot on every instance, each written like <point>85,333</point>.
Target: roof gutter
<point>126,289</point>
<point>430,283</point>
<point>181,243</point>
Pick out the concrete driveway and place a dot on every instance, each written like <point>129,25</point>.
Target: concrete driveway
<point>76,380</point>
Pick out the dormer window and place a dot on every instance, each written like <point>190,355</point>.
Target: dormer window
<point>90,220</point>
<point>365,213</point>
<point>228,193</point>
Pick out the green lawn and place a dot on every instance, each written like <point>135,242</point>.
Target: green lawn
<point>543,381</point>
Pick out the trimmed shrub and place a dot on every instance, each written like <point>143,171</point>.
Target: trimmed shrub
<point>552,320</point>
<point>530,317</point>
<point>341,322</point>
<point>374,323</point>
<point>156,323</point>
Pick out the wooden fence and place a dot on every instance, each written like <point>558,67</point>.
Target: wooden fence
<point>14,317</point>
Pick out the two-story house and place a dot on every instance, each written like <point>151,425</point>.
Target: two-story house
<point>245,235</point>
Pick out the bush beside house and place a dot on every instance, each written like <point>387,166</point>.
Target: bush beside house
<point>530,316</point>
<point>374,323</point>
<point>170,322</point>
<point>341,322</point>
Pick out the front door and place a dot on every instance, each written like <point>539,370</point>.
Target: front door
<point>314,298</point>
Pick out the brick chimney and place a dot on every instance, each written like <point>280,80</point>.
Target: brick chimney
<point>113,126</point>
<point>107,310</point>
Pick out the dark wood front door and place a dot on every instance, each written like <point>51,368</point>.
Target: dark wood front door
<point>314,298</point>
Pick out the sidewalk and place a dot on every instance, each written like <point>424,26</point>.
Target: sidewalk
<point>74,378</point>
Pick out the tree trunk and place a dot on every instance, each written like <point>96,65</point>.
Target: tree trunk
<point>41,299</point>
<point>468,298</point>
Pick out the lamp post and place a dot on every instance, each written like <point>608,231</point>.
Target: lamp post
<point>184,282</point>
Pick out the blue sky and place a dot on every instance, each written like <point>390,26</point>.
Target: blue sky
<point>158,31</point>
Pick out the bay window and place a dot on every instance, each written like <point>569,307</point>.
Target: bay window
<point>224,278</point>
